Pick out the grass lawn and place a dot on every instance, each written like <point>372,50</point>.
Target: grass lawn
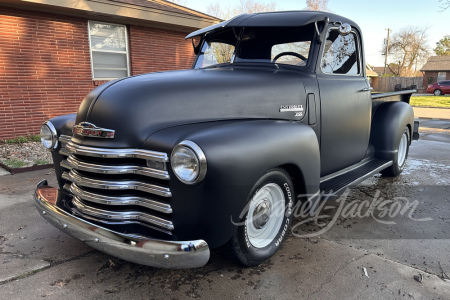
<point>431,101</point>
<point>14,163</point>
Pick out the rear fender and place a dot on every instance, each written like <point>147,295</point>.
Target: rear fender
<point>388,124</point>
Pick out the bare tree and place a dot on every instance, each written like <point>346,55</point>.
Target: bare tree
<point>444,4</point>
<point>244,7</point>
<point>408,49</point>
<point>321,5</point>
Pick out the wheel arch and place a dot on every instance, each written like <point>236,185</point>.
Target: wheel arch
<point>297,177</point>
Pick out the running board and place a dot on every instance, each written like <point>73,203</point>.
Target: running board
<point>337,184</point>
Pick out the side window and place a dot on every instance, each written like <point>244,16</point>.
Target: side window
<point>341,54</point>
<point>214,53</point>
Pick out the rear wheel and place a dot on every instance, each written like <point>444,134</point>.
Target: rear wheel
<point>402,154</point>
<point>266,222</point>
<point>437,92</point>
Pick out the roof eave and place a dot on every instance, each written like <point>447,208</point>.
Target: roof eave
<point>117,12</point>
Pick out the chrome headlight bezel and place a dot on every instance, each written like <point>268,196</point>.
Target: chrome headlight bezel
<point>200,158</point>
<point>52,140</point>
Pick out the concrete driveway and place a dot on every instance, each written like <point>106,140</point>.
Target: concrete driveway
<point>370,257</point>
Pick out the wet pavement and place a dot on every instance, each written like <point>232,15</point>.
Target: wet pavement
<point>411,239</point>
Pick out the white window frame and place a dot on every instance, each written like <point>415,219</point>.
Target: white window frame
<point>127,51</point>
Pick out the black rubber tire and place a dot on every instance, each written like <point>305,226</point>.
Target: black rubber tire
<point>396,169</point>
<point>238,247</point>
<point>437,92</point>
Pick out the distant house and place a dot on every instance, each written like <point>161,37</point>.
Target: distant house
<point>436,69</point>
<point>380,71</point>
<point>53,52</point>
<point>372,76</point>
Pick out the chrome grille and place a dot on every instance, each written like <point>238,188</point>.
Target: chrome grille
<point>117,186</point>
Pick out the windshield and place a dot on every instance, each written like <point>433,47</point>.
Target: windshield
<point>280,45</point>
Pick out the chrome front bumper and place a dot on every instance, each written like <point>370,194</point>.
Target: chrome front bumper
<point>137,249</point>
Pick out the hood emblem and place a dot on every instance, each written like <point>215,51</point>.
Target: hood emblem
<point>90,130</point>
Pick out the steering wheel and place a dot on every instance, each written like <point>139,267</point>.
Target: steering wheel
<point>289,53</point>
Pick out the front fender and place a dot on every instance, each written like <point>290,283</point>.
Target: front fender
<point>238,153</point>
<point>388,124</point>
<point>63,125</point>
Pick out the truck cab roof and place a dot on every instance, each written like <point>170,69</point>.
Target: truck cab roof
<point>274,19</point>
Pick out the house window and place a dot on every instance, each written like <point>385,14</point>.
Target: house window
<point>441,76</point>
<point>109,50</point>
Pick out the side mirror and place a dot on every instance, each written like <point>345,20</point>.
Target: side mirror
<point>345,29</point>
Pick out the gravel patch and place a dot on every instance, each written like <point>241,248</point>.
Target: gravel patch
<point>24,155</point>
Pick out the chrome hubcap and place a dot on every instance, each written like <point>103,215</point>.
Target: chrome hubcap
<point>402,149</point>
<point>265,215</point>
<point>261,214</point>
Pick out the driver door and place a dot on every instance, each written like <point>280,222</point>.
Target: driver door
<point>346,102</point>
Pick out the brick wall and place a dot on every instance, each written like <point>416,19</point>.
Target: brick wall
<point>45,66</point>
<point>155,50</point>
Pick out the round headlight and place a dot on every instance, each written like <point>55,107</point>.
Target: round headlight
<point>188,162</point>
<point>49,137</point>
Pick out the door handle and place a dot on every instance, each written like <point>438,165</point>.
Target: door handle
<point>366,89</point>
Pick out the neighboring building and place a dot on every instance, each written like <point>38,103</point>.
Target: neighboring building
<point>372,76</point>
<point>53,52</point>
<point>380,71</point>
<point>436,69</point>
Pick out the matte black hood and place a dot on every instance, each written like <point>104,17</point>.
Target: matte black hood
<point>136,107</point>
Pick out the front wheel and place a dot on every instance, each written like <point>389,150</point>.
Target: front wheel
<point>437,92</point>
<point>402,154</point>
<point>268,216</point>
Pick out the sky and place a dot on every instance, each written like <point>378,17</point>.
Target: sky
<point>374,17</point>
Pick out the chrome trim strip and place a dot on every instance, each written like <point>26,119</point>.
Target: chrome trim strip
<point>133,248</point>
<point>364,177</point>
<point>66,176</point>
<point>73,163</point>
<point>118,201</point>
<point>120,215</point>
<point>64,152</point>
<point>66,187</point>
<point>116,153</point>
<point>80,180</point>
<point>95,219</point>
<point>346,170</point>
<point>390,94</point>
<point>64,139</point>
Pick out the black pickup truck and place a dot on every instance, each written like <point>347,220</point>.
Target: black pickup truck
<point>160,168</point>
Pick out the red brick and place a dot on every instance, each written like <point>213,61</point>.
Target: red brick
<point>45,67</point>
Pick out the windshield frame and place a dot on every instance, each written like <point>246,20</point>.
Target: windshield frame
<point>204,41</point>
